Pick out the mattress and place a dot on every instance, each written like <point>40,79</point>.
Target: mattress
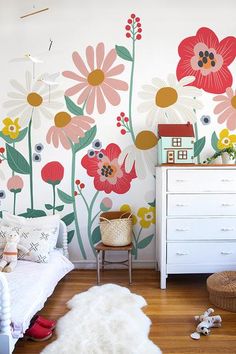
<point>30,284</point>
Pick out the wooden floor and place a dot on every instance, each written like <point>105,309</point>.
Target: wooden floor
<point>171,310</point>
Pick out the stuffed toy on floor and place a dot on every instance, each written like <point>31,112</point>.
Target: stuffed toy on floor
<point>206,322</point>
<point>8,261</point>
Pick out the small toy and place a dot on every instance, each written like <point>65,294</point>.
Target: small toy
<point>206,322</point>
<point>10,252</point>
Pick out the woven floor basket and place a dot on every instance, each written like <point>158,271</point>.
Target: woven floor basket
<point>116,228</point>
<point>222,290</point>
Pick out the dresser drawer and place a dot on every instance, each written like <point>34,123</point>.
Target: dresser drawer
<point>203,180</point>
<point>201,253</point>
<point>201,229</point>
<point>201,204</point>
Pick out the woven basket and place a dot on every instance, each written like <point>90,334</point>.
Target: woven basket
<point>116,228</point>
<point>222,290</point>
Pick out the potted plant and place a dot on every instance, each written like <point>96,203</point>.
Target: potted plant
<point>228,156</point>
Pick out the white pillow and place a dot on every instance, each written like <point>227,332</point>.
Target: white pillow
<point>4,230</point>
<point>51,221</point>
<point>35,239</point>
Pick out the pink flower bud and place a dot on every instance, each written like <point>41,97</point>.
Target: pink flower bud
<point>106,204</point>
<point>15,184</point>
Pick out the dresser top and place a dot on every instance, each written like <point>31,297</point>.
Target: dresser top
<point>193,166</point>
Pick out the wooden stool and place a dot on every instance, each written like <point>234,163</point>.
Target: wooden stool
<point>128,262</point>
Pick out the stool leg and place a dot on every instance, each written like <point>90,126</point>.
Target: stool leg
<point>130,266</point>
<point>103,259</point>
<point>98,267</point>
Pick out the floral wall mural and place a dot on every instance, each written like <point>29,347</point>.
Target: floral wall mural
<point>80,137</point>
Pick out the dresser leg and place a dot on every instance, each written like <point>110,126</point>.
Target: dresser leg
<point>163,280</point>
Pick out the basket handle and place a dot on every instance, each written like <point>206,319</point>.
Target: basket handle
<point>102,218</point>
<point>130,215</point>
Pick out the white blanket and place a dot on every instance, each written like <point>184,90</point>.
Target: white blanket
<point>30,284</point>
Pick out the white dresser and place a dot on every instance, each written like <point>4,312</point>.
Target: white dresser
<point>196,219</point>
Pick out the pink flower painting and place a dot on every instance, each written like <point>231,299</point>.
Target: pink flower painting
<point>95,81</point>
<point>226,108</point>
<point>67,129</point>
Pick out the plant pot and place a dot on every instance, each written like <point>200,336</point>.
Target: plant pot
<point>217,161</point>
<point>226,159</point>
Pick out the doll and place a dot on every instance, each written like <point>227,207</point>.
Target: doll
<point>9,257</point>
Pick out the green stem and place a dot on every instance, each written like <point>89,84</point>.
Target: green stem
<point>85,201</point>
<point>93,219</point>
<point>54,198</point>
<point>74,203</point>
<point>196,136</point>
<point>134,243</point>
<point>90,222</point>
<point>13,173</point>
<point>131,93</point>
<point>84,104</point>
<point>14,204</point>
<point>137,240</point>
<point>30,161</point>
<point>90,218</point>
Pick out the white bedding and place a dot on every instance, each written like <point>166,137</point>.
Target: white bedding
<point>30,284</point>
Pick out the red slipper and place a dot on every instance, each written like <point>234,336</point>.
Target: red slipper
<point>37,333</point>
<point>44,322</point>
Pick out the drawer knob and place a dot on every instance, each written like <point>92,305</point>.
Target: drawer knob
<point>180,180</point>
<point>181,229</point>
<point>226,253</point>
<point>182,253</point>
<point>181,205</point>
<point>226,205</point>
<point>226,180</point>
<point>225,229</point>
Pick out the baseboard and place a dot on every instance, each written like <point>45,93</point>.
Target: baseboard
<point>142,264</point>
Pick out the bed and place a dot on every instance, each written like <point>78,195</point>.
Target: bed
<point>21,296</point>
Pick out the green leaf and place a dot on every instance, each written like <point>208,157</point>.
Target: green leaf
<point>199,145</point>
<point>72,107</point>
<point>20,137</point>
<point>123,53</point>
<point>16,161</point>
<point>33,213</point>
<point>70,236</point>
<point>96,235</point>
<point>145,242</point>
<point>133,251</point>
<point>59,207</point>
<point>48,206</point>
<point>65,198</point>
<point>153,204</point>
<point>1,214</point>
<point>68,219</point>
<point>87,139</point>
<point>214,142</point>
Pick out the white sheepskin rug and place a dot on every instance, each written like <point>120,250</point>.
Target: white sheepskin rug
<point>105,319</point>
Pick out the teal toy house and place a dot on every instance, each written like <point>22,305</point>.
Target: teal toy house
<point>176,143</point>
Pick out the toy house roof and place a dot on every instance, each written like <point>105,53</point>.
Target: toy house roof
<point>175,130</point>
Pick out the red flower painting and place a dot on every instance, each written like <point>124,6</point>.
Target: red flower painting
<point>52,172</point>
<point>109,175</point>
<point>207,58</point>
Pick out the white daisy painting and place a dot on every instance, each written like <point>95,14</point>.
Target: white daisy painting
<point>142,155</point>
<point>170,101</point>
<point>31,101</point>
